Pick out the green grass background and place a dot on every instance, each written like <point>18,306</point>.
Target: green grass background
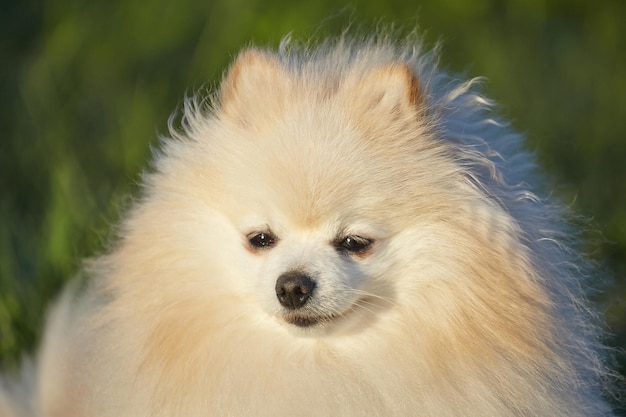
<point>86,86</point>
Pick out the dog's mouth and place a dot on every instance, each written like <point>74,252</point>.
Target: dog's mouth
<point>309,319</point>
<point>306,321</point>
<point>309,322</point>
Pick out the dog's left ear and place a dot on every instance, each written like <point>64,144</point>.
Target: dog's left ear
<point>253,77</point>
<point>392,89</point>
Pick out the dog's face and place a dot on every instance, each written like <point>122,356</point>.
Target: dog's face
<point>312,238</point>
<point>317,279</point>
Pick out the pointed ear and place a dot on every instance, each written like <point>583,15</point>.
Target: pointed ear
<point>253,76</point>
<point>392,89</point>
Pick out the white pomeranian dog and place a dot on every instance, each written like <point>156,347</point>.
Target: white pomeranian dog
<point>341,230</point>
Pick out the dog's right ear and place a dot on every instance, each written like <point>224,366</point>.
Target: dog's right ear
<point>252,79</point>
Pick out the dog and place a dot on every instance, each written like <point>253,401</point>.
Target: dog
<point>341,229</point>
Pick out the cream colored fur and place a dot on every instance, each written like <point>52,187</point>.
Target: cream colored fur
<point>467,303</point>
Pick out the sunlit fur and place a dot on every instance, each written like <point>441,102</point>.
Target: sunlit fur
<point>467,303</point>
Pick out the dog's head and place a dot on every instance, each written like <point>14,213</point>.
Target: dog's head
<point>318,178</point>
<point>333,198</point>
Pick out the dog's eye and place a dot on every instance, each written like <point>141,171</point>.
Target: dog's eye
<point>354,244</point>
<point>262,240</point>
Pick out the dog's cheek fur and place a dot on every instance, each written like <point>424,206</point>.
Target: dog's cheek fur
<point>474,293</point>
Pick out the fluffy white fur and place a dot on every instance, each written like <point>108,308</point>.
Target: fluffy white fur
<point>467,301</point>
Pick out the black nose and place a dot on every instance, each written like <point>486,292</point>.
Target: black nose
<point>293,289</point>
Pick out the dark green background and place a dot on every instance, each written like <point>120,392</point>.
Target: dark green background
<point>86,86</point>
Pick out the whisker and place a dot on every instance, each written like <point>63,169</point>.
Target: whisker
<point>367,294</point>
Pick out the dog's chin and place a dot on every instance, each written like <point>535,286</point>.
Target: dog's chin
<point>308,321</point>
<point>311,324</point>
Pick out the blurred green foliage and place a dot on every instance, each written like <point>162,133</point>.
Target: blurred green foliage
<point>85,86</point>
